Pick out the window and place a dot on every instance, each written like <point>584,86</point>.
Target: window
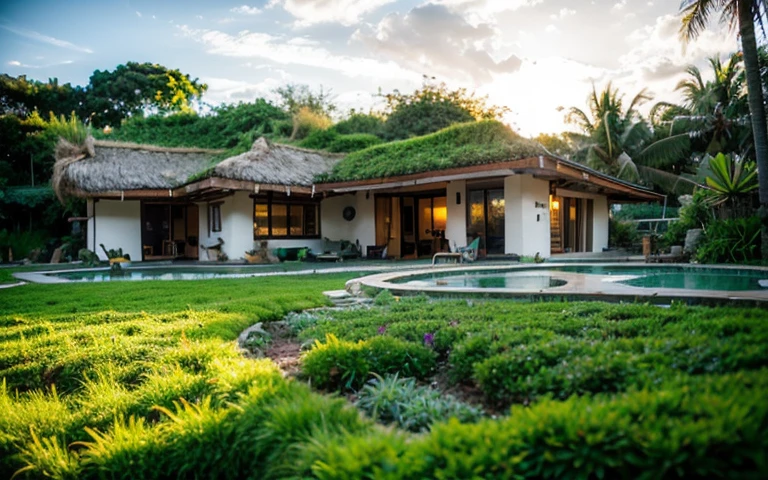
<point>281,217</point>
<point>214,217</point>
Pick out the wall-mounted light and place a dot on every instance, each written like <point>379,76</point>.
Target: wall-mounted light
<point>458,198</point>
<point>555,205</point>
<point>367,194</point>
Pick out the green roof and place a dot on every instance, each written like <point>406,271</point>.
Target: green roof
<point>462,145</point>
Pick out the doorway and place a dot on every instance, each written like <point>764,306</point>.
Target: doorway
<point>169,231</point>
<point>412,225</point>
<point>486,219</point>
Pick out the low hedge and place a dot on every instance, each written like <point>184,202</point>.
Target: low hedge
<point>340,364</point>
<point>705,427</point>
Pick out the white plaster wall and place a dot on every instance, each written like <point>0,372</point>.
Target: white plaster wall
<point>332,224</point>
<point>600,224</point>
<point>535,231</point>
<point>456,228</point>
<point>361,229</point>
<point>90,241</point>
<point>237,225</point>
<point>364,224</point>
<point>513,215</point>
<point>117,225</point>
<point>526,228</point>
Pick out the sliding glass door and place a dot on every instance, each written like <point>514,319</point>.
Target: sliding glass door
<point>485,219</point>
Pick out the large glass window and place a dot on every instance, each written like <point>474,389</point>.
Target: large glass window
<point>278,218</point>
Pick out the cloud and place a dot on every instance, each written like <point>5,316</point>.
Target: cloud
<point>432,39</point>
<point>246,10</point>
<point>296,51</point>
<point>485,10</point>
<point>47,39</point>
<point>345,12</point>
<point>564,12</point>
<point>16,63</point>
<point>138,14</point>
<point>224,90</point>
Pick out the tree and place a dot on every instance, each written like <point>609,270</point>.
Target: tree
<point>137,88</point>
<point>557,143</point>
<point>715,114</point>
<point>432,108</point>
<point>294,97</point>
<point>741,14</point>
<point>621,143</point>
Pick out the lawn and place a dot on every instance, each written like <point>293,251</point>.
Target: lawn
<point>143,380</point>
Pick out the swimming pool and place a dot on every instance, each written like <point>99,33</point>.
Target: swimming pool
<point>681,277</point>
<point>158,273</point>
<point>615,282</point>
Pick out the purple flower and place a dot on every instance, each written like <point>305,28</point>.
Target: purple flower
<point>429,339</point>
<point>382,329</point>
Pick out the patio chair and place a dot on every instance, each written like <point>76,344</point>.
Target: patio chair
<point>469,253</point>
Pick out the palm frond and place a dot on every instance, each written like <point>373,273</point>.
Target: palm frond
<point>666,151</point>
<point>577,116</point>
<point>666,181</point>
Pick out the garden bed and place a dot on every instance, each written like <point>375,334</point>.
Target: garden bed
<point>144,380</point>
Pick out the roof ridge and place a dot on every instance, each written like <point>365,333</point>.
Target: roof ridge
<point>155,148</point>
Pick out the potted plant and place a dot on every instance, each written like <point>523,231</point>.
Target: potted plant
<point>116,257</point>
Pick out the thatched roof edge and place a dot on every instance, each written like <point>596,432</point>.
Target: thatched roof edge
<point>155,148</point>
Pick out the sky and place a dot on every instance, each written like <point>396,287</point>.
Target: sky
<point>537,57</point>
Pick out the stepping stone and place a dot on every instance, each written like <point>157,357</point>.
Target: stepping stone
<point>337,294</point>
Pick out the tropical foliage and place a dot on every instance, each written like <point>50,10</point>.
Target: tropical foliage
<point>617,140</point>
<point>741,14</point>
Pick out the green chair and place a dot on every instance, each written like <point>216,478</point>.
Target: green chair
<point>469,253</point>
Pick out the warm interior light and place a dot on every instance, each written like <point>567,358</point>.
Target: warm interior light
<point>555,205</point>
<point>439,217</point>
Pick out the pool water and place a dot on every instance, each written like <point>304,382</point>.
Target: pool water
<point>174,273</point>
<point>521,281</point>
<point>676,277</point>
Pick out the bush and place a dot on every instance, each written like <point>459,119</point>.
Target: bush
<point>702,428</point>
<point>353,143</point>
<point>319,139</point>
<point>398,401</point>
<point>340,364</point>
<point>731,241</point>
<point>360,123</point>
<point>305,121</point>
<point>695,213</point>
<point>622,234</point>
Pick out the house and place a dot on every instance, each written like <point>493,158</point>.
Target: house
<point>414,197</point>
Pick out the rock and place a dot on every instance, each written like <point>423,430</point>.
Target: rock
<point>692,240</point>
<point>56,257</point>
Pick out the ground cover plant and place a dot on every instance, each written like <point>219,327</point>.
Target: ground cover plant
<point>143,380</point>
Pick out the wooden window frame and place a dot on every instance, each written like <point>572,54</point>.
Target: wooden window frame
<point>270,199</point>
<point>214,214</point>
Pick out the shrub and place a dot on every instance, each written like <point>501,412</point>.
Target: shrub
<point>695,213</point>
<point>399,401</point>
<point>319,139</point>
<point>360,123</point>
<point>353,143</point>
<point>731,241</point>
<point>622,234</point>
<point>340,364</point>
<point>305,121</point>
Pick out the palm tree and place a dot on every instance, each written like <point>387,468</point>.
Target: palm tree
<point>621,143</point>
<point>742,14</point>
<point>715,114</point>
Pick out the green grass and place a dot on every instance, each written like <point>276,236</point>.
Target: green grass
<point>143,380</point>
<point>462,145</point>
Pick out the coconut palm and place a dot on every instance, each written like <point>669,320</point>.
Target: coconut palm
<point>621,143</point>
<point>715,113</point>
<point>741,14</point>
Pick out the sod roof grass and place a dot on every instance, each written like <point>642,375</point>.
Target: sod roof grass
<point>462,145</point>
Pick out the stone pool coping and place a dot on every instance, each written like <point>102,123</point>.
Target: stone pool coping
<point>579,286</point>
<point>51,276</point>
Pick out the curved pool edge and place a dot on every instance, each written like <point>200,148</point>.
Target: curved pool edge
<point>584,290</point>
